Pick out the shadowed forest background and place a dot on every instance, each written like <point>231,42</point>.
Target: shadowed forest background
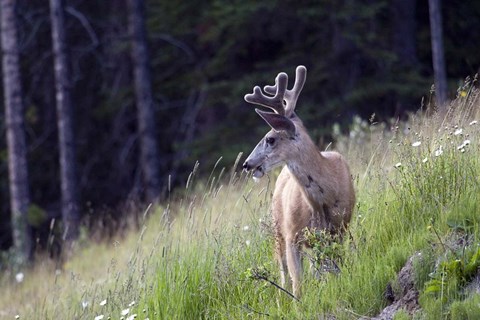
<point>363,57</point>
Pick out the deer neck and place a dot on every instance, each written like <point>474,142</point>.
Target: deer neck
<point>308,168</point>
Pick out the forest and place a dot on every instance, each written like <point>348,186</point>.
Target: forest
<point>116,100</point>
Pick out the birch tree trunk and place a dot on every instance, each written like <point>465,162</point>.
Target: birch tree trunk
<point>16,144</point>
<point>438,56</point>
<point>149,155</point>
<point>66,140</point>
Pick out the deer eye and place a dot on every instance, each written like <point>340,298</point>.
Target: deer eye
<point>270,140</point>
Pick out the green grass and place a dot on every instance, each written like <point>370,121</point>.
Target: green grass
<point>207,252</point>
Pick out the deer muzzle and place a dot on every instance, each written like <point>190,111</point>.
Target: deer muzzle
<point>257,170</point>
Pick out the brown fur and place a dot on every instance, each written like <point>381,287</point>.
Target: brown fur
<point>314,189</point>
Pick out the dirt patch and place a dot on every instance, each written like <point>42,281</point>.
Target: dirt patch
<point>404,296</point>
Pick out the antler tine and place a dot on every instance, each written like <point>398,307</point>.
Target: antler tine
<point>276,102</point>
<point>291,96</point>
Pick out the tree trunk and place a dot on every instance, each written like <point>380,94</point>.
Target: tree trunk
<point>70,209</point>
<point>16,142</point>
<point>149,155</point>
<point>438,56</point>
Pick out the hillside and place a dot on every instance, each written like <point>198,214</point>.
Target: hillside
<point>207,253</point>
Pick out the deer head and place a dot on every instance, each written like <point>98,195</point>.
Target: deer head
<point>276,146</point>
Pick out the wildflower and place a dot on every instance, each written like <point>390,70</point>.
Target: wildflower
<point>425,160</point>
<point>247,242</point>
<point>103,302</point>
<point>463,145</point>
<point>125,311</point>
<point>19,277</point>
<point>100,317</point>
<point>473,122</point>
<point>463,93</point>
<point>416,143</point>
<point>458,131</point>
<point>131,304</point>
<point>398,165</point>
<point>84,304</point>
<point>245,228</point>
<point>17,317</point>
<point>429,227</point>
<point>133,316</point>
<point>438,152</point>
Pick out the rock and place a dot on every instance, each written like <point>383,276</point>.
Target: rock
<point>405,297</point>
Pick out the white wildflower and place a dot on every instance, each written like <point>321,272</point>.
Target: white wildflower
<point>125,312</point>
<point>416,143</point>
<point>246,228</point>
<point>100,317</point>
<point>398,165</point>
<point>131,304</point>
<point>438,152</point>
<point>425,160</point>
<point>84,304</point>
<point>17,317</point>
<point>19,277</point>
<point>463,145</point>
<point>458,131</point>
<point>247,242</point>
<point>133,316</point>
<point>473,122</point>
<point>103,302</point>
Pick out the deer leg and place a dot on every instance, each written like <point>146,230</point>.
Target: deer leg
<point>294,264</point>
<point>314,269</point>
<point>281,259</point>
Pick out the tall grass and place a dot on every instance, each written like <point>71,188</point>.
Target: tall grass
<point>207,253</point>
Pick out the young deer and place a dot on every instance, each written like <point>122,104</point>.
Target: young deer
<point>314,189</point>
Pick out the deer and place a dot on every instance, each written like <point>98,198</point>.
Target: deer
<point>314,190</point>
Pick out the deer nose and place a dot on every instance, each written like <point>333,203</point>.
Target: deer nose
<point>246,166</point>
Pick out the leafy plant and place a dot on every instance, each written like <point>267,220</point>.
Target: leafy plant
<point>327,249</point>
<point>453,274</point>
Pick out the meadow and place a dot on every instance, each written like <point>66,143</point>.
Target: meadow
<point>207,252</point>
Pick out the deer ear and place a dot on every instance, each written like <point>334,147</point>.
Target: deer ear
<point>277,122</point>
